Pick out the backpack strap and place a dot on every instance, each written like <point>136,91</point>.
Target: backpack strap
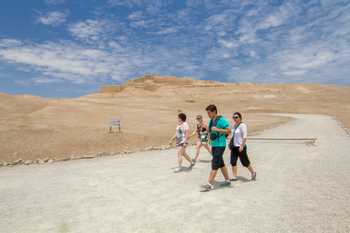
<point>234,130</point>
<point>213,123</point>
<point>217,120</point>
<point>236,127</point>
<point>210,125</point>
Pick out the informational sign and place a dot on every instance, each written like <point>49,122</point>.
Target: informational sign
<point>115,124</point>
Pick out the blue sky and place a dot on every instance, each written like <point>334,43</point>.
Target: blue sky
<point>67,48</point>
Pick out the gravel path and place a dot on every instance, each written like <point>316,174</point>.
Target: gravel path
<point>299,188</point>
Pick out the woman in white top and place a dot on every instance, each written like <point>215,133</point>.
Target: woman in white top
<point>238,146</point>
<point>182,136</point>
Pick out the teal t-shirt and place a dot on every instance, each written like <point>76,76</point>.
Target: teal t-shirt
<point>220,141</point>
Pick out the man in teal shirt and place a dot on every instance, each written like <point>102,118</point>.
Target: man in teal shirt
<point>218,129</point>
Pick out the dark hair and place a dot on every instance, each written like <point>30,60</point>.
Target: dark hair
<point>212,108</point>
<point>238,114</point>
<point>182,116</point>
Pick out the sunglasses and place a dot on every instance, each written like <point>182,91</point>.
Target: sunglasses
<point>236,117</point>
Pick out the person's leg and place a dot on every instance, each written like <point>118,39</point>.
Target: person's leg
<point>224,172</point>
<point>234,158</point>
<point>206,146</point>
<point>214,166</point>
<point>223,167</point>
<point>186,156</point>
<point>212,176</point>
<point>251,169</point>
<point>243,156</point>
<point>198,149</point>
<point>179,156</point>
<point>234,171</point>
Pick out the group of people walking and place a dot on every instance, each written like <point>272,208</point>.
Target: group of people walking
<point>213,137</point>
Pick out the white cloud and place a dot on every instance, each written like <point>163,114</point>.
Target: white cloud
<point>140,24</point>
<point>78,64</point>
<point>56,57</point>
<point>306,63</point>
<point>275,19</point>
<point>44,80</point>
<point>247,37</point>
<point>5,43</point>
<point>228,44</point>
<point>126,3</point>
<point>165,31</point>
<point>226,55</point>
<point>61,61</point>
<point>294,72</point>
<point>246,31</point>
<point>253,54</point>
<point>150,6</point>
<point>308,59</point>
<point>241,40</point>
<point>285,44</point>
<point>55,2</point>
<point>252,12</point>
<point>137,15</point>
<point>221,21</point>
<point>250,25</point>
<point>54,18</point>
<point>91,30</point>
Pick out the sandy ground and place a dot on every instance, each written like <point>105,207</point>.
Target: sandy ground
<point>37,128</point>
<point>300,188</point>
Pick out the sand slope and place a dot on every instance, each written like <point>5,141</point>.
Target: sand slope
<point>299,189</point>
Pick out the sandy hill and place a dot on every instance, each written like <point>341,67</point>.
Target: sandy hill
<point>154,82</point>
<point>33,127</point>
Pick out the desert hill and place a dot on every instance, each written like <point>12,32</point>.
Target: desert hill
<point>34,127</point>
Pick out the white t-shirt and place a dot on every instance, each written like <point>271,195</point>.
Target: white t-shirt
<point>239,134</point>
<point>181,133</point>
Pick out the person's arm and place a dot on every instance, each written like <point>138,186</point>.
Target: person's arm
<point>241,147</point>
<point>225,131</point>
<point>205,126</point>
<point>244,134</point>
<point>224,128</point>
<point>172,139</point>
<point>230,130</point>
<point>193,133</point>
<point>187,135</point>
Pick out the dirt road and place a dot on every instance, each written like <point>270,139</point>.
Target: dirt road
<point>299,188</point>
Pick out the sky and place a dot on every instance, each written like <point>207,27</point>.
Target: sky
<point>69,48</point>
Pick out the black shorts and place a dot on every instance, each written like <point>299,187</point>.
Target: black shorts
<point>217,160</point>
<point>243,156</point>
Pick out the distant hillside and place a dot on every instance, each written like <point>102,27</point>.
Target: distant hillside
<point>33,127</point>
<point>153,82</point>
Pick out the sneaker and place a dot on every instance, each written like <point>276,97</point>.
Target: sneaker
<point>253,176</point>
<point>194,161</point>
<point>192,164</point>
<point>234,178</point>
<point>226,183</point>
<point>207,187</point>
<point>178,169</point>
